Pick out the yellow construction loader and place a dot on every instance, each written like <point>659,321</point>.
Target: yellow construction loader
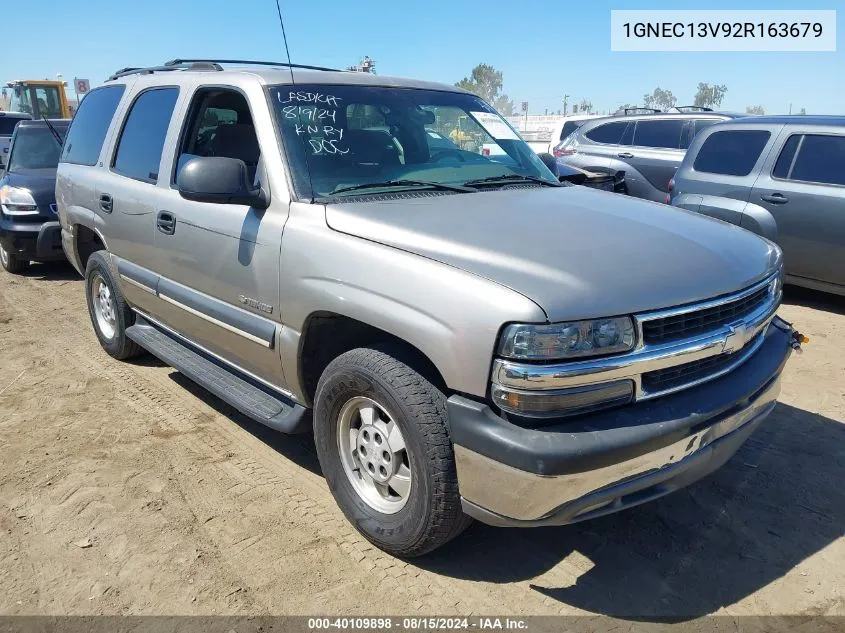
<point>40,98</point>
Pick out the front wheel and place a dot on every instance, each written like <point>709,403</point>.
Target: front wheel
<point>12,263</point>
<point>383,444</point>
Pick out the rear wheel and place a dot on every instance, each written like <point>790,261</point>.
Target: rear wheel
<point>383,444</point>
<point>12,263</point>
<point>110,314</point>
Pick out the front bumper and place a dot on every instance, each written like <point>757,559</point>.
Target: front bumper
<point>596,464</point>
<point>35,240</point>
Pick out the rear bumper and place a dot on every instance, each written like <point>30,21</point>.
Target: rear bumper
<point>602,463</point>
<point>38,241</point>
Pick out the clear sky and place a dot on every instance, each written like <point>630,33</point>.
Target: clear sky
<point>545,49</point>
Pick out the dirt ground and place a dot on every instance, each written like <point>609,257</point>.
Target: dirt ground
<point>125,489</point>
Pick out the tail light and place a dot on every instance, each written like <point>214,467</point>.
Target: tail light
<point>485,151</point>
<point>670,187</point>
<point>564,149</point>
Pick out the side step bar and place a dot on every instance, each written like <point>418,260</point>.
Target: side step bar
<point>241,392</point>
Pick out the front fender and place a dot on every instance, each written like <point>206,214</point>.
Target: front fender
<point>451,316</point>
<point>759,220</point>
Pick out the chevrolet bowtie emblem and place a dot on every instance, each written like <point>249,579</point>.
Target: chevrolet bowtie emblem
<point>735,339</point>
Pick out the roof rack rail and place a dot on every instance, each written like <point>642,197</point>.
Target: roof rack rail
<point>691,108</point>
<point>198,65</point>
<point>641,110</point>
<point>247,62</point>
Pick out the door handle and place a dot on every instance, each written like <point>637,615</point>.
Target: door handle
<point>166,222</point>
<point>774,198</point>
<point>106,203</point>
<point>625,155</point>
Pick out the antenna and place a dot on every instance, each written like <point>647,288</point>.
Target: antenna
<point>293,83</point>
<point>284,36</point>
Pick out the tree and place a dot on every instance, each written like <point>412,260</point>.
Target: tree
<point>486,82</point>
<point>709,96</point>
<point>661,99</point>
<point>503,105</point>
<point>803,111</point>
<point>758,109</point>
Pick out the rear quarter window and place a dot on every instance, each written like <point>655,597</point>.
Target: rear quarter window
<point>88,129</point>
<point>731,152</point>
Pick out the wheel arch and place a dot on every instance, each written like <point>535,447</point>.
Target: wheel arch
<point>327,334</point>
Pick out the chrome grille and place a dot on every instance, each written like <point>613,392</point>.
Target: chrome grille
<point>671,378</point>
<point>687,324</point>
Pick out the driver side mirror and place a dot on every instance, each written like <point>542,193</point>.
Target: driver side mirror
<point>221,180</point>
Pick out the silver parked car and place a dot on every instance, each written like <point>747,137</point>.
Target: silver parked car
<point>465,338</point>
<point>782,177</point>
<point>647,147</point>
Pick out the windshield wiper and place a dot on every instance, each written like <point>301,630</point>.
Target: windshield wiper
<point>510,179</point>
<point>56,136</point>
<point>405,183</point>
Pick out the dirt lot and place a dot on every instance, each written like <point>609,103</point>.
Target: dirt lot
<point>126,489</point>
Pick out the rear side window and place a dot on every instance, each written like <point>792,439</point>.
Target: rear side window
<point>787,156</point>
<point>731,152</point>
<point>139,149</point>
<point>812,158</point>
<point>664,134</point>
<point>568,128</point>
<point>90,124</point>
<point>610,133</point>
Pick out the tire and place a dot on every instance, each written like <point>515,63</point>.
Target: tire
<point>109,324</point>
<point>12,263</point>
<point>430,514</point>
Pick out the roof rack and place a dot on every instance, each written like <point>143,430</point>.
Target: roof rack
<point>641,110</point>
<point>123,72</point>
<point>691,108</point>
<point>247,62</point>
<point>206,65</point>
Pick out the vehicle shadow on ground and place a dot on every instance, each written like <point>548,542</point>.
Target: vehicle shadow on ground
<point>814,299</point>
<point>775,503</point>
<point>51,271</point>
<point>297,448</point>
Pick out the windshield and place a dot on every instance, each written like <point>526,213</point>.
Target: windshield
<point>341,137</point>
<point>35,148</point>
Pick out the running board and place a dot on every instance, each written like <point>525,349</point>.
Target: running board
<point>260,404</point>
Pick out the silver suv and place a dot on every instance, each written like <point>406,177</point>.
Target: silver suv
<point>466,337</point>
<point>647,147</point>
<point>782,177</point>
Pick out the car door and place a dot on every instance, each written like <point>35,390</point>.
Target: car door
<point>219,263</point>
<point>127,192</point>
<point>599,147</point>
<point>719,170</point>
<point>803,188</point>
<point>654,156</point>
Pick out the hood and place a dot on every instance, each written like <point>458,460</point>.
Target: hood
<point>576,252</point>
<point>40,182</point>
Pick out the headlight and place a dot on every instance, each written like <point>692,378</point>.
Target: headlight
<point>17,201</point>
<point>558,341</point>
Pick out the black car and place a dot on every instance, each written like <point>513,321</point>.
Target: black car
<point>29,226</point>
